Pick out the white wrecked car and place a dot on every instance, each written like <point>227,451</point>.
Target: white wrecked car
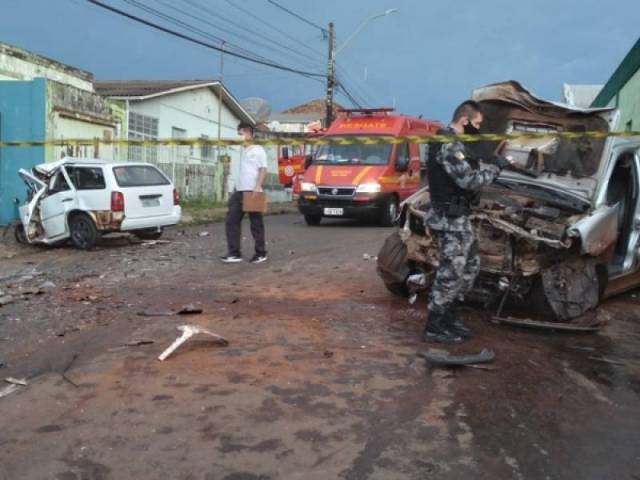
<point>552,242</point>
<point>80,199</point>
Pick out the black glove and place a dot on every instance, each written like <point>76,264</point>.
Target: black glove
<point>500,162</point>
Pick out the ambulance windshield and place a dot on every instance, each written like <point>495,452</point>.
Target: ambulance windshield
<point>353,154</point>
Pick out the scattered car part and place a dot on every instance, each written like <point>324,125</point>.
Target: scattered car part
<point>8,390</point>
<point>189,310</point>
<point>67,368</point>
<point>450,360</point>
<point>526,322</point>
<point>189,331</point>
<point>16,381</point>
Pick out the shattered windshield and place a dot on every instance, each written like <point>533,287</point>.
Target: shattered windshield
<point>353,154</point>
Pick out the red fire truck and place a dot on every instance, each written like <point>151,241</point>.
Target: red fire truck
<point>360,180</point>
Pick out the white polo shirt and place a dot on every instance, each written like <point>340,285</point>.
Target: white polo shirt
<point>253,158</point>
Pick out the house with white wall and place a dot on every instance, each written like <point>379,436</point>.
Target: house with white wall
<point>183,109</point>
<point>43,99</point>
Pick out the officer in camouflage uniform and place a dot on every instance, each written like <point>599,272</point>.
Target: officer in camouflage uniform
<point>455,177</point>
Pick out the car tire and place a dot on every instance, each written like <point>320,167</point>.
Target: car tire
<point>83,230</point>
<point>313,220</point>
<point>149,234</point>
<point>389,212</point>
<point>20,234</point>
<point>393,265</point>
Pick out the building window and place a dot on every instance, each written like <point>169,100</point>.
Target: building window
<point>206,151</point>
<point>142,127</point>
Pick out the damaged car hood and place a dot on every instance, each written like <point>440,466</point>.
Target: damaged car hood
<point>563,164</point>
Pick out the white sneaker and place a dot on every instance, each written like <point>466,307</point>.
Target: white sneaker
<point>231,259</point>
<point>258,258</point>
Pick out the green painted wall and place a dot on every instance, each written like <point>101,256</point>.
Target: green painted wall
<point>627,100</point>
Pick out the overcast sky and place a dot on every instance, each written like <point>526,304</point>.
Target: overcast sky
<point>426,57</point>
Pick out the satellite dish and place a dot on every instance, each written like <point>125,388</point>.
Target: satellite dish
<point>257,107</point>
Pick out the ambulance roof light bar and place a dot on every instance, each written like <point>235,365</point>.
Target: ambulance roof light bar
<point>348,112</point>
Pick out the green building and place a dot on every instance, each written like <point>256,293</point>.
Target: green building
<point>622,91</point>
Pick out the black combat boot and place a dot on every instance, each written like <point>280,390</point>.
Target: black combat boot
<point>453,322</point>
<point>436,330</point>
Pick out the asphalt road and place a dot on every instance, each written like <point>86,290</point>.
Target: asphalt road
<point>321,378</point>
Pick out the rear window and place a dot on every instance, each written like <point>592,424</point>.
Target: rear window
<point>86,178</point>
<point>139,176</point>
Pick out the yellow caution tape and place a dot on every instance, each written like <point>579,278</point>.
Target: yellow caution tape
<point>330,140</point>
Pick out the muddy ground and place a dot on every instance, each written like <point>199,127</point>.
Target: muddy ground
<point>321,379</point>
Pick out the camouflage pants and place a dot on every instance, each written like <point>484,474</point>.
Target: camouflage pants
<point>458,269</point>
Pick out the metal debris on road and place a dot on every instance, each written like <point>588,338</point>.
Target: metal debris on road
<point>8,390</point>
<point>189,331</point>
<point>189,310</point>
<point>6,300</point>
<point>67,368</point>
<point>139,342</point>
<point>526,322</point>
<point>47,285</point>
<point>446,359</point>
<point>16,381</point>
<point>151,243</point>
<point>156,313</point>
<point>609,361</point>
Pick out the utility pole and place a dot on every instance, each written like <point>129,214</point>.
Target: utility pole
<point>331,74</point>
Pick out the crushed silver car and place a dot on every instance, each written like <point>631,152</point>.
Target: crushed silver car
<point>557,235</point>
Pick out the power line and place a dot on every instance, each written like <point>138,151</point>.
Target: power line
<point>299,17</point>
<point>191,28</point>
<point>273,27</point>
<point>280,46</point>
<point>201,43</point>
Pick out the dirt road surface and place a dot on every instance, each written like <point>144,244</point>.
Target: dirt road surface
<point>321,379</point>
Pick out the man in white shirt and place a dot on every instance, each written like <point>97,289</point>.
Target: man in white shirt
<point>253,171</point>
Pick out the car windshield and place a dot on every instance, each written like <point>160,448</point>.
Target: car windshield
<point>353,154</point>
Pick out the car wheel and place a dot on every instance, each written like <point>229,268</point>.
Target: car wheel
<point>84,234</point>
<point>21,235</point>
<point>389,212</point>
<point>149,234</point>
<point>313,220</point>
<point>393,265</point>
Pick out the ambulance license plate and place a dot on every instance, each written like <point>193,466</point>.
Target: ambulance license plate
<point>335,212</point>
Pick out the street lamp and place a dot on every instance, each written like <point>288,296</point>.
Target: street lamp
<point>331,67</point>
<point>364,24</point>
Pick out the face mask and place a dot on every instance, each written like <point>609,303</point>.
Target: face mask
<point>470,129</point>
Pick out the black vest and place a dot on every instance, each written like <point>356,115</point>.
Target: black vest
<point>442,188</point>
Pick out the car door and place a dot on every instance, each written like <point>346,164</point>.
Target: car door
<point>53,209</point>
<point>403,170</point>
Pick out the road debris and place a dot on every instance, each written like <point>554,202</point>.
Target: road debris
<point>151,243</point>
<point>609,361</point>
<point>366,256</point>
<point>189,309</point>
<point>16,381</point>
<point>6,300</point>
<point>566,327</point>
<point>204,234</point>
<point>8,390</point>
<point>67,368</point>
<point>156,313</point>
<point>48,285</point>
<point>445,359</point>
<point>189,331</point>
<point>139,342</point>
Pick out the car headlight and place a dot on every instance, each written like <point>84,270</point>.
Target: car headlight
<point>308,187</point>
<point>368,188</point>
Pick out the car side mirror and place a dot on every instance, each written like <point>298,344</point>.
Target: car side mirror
<point>285,153</point>
<point>308,159</point>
